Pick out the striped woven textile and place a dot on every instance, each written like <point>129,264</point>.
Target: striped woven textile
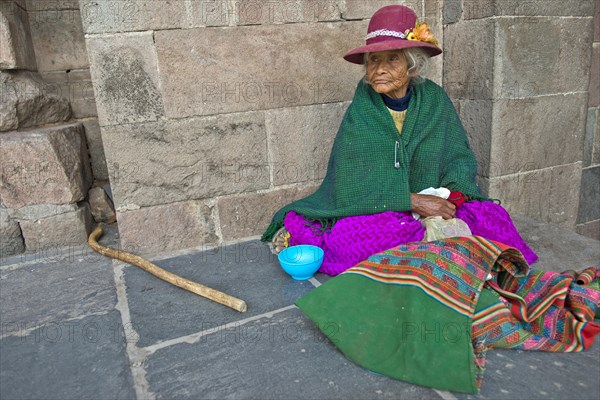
<point>425,313</point>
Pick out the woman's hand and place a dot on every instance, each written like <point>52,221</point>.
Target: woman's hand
<point>428,206</point>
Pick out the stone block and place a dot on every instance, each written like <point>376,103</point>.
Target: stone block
<point>125,78</point>
<point>534,49</point>
<point>433,13</point>
<point>138,15</point>
<point>477,9</point>
<point>594,88</point>
<point>27,101</point>
<point>476,117</point>
<point>597,23</point>
<point>58,40</point>
<point>589,209</point>
<point>590,133</point>
<point>62,230</point>
<point>40,211</point>
<point>250,214</point>
<point>96,148</point>
<point>548,195</point>
<point>174,226</point>
<point>468,63</point>
<point>535,133</point>
<point>361,9</point>
<point>596,149</point>
<point>253,12</point>
<point>16,49</point>
<point>178,160</point>
<point>11,240</point>
<point>101,206</point>
<point>74,86</point>
<point>300,140</point>
<point>250,69</point>
<point>452,12</point>
<point>590,229</point>
<point>534,8</point>
<point>44,166</point>
<point>51,5</point>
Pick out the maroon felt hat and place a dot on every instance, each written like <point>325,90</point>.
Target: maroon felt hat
<point>392,28</point>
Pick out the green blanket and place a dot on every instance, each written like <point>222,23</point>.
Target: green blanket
<point>373,168</point>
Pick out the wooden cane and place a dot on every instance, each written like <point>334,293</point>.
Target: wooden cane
<point>194,287</point>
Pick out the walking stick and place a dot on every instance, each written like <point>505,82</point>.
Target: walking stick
<point>194,287</point>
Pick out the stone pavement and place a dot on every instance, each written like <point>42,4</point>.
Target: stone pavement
<point>77,325</point>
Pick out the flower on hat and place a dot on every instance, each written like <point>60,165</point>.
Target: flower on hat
<point>421,33</point>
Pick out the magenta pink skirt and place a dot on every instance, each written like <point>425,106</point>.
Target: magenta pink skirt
<point>353,239</point>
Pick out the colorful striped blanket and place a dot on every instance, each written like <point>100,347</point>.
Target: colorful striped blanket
<point>426,312</point>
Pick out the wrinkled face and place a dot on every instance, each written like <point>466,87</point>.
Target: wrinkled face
<point>387,72</point>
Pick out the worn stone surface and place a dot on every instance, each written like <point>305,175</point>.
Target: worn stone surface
<point>476,9</point>
<point>590,133</point>
<point>558,248</point>
<point>44,166</point>
<point>199,78</point>
<point>476,117</point>
<point>58,40</point>
<point>549,195</point>
<point>11,240</point>
<point>252,12</point>
<point>74,86</point>
<point>300,140</point>
<point>298,362</point>
<point>39,211</point>
<point>173,226</point>
<point>526,137</point>
<point>51,5</point>
<point>597,23</point>
<point>168,161</point>
<point>69,229</point>
<point>67,360</point>
<point>101,206</point>
<point>28,101</point>
<point>468,63</point>
<point>96,148</point>
<point>16,49</point>
<point>594,88</point>
<point>583,8</point>
<point>171,312</point>
<point>125,78</point>
<point>249,215</point>
<point>360,9</point>
<point>589,204</point>
<point>596,149</point>
<point>534,49</point>
<point>589,229</point>
<point>141,15</point>
<point>453,11</point>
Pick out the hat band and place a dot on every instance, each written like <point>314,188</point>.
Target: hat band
<point>385,32</point>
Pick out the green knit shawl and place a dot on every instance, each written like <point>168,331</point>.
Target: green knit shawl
<point>361,175</point>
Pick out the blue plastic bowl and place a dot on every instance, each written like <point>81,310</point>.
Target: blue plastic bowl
<point>302,261</point>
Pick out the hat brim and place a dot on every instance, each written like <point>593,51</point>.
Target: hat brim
<point>357,55</point>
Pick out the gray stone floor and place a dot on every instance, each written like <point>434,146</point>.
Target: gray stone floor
<point>77,325</point>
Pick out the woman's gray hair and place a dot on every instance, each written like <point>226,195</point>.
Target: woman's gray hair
<point>418,62</point>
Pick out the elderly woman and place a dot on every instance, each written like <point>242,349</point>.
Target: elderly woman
<point>400,136</point>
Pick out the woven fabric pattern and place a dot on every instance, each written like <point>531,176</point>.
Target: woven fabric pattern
<point>362,178</point>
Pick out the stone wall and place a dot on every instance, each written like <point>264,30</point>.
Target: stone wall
<point>519,73</point>
<point>216,113</point>
<point>589,209</point>
<point>45,170</point>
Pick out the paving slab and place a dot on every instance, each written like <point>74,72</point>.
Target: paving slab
<point>515,374</point>
<point>74,359</point>
<point>56,287</point>
<point>283,357</point>
<point>160,311</point>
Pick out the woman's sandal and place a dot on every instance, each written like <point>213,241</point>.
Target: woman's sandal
<point>281,240</point>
